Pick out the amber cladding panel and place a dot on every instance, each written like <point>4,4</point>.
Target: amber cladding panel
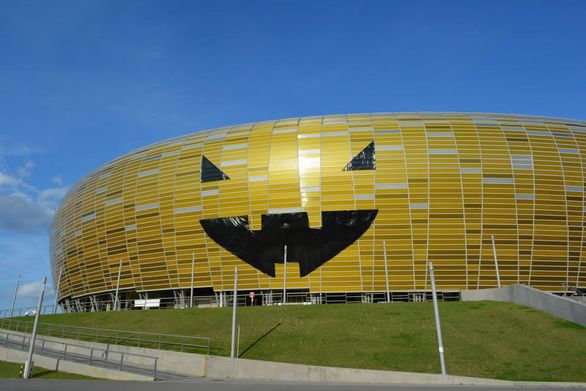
<point>443,184</point>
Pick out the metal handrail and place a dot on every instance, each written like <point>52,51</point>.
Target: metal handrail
<point>122,337</point>
<point>91,358</point>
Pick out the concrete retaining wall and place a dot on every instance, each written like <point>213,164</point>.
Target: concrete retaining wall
<point>169,361</point>
<point>562,307</point>
<point>228,368</point>
<point>54,364</point>
<point>196,365</point>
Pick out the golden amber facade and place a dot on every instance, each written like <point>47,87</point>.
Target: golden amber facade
<point>444,183</point>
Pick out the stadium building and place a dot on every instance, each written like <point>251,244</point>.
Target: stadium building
<point>354,198</point>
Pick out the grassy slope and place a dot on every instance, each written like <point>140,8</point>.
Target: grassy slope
<point>485,339</point>
<point>10,370</point>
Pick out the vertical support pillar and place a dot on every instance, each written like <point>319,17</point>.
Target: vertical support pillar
<point>386,272</point>
<point>496,262</point>
<point>234,305</point>
<point>117,298</point>
<point>191,286</point>
<point>285,277</point>
<point>56,303</point>
<point>14,297</point>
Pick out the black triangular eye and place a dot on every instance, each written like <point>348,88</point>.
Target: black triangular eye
<point>211,173</point>
<point>365,160</point>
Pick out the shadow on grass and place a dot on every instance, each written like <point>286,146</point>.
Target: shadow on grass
<point>42,372</point>
<point>252,345</point>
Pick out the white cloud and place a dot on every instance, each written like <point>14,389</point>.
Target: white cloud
<point>26,170</point>
<point>17,150</point>
<point>20,213</point>
<point>53,193</point>
<point>23,207</point>
<point>29,290</point>
<point>7,180</point>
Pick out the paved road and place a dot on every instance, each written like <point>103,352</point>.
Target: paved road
<point>225,385</point>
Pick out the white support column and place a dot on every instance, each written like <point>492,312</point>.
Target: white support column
<point>56,303</point>
<point>191,287</point>
<point>386,272</point>
<point>117,299</point>
<point>496,262</point>
<point>234,305</point>
<point>285,277</point>
<point>14,297</point>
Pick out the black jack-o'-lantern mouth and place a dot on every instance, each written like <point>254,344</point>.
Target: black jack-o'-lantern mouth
<point>310,247</point>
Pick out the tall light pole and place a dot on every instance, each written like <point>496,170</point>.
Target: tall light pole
<point>234,305</point>
<point>14,297</point>
<point>28,365</point>
<point>57,291</point>
<point>438,328</point>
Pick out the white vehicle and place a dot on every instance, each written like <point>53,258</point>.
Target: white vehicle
<point>30,313</point>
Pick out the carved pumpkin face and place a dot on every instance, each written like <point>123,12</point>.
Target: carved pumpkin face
<point>289,234</point>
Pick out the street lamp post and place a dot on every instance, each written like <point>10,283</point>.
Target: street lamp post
<point>438,328</point>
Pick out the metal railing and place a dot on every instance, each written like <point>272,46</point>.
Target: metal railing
<point>104,357</point>
<point>224,299</point>
<point>29,311</point>
<point>182,343</point>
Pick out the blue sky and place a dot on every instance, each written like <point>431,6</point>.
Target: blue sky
<point>82,82</point>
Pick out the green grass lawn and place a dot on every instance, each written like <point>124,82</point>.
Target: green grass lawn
<point>10,370</point>
<point>483,339</point>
